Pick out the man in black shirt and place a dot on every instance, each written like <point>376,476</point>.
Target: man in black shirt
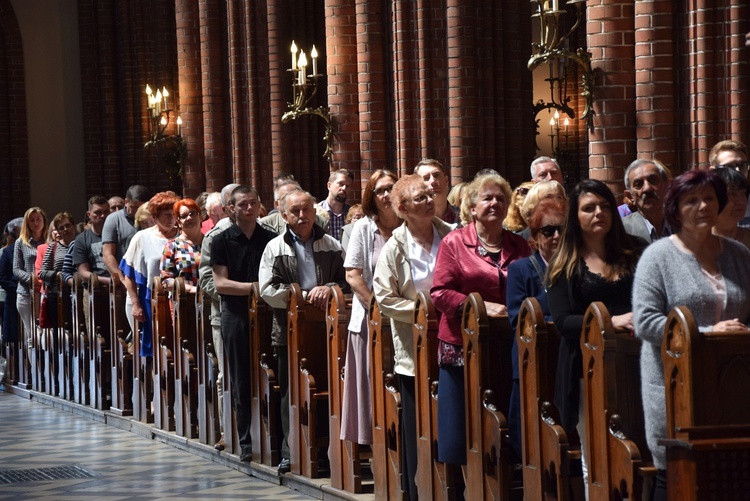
<point>235,258</point>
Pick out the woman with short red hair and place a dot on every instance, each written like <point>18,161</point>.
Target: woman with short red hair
<point>182,256</point>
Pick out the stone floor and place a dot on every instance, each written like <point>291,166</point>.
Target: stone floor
<point>49,453</point>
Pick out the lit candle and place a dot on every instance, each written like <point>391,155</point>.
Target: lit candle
<point>552,122</point>
<point>314,54</point>
<point>157,101</point>
<point>179,126</point>
<point>566,122</point>
<point>165,93</point>
<point>557,115</point>
<point>294,55</point>
<point>148,90</point>
<point>164,121</point>
<point>302,68</point>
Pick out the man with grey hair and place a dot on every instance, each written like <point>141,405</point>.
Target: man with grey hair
<point>303,254</point>
<point>274,220</point>
<point>206,283</point>
<point>546,169</point>
<point>646,183</point>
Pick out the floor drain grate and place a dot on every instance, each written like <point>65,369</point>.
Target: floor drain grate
<point>38,474</point>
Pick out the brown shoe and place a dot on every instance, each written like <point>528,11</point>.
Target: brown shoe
<point>220,445</point>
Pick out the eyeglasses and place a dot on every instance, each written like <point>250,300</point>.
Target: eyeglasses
<point>192,214</point>
<point>523,191</point>
<point>383,190</point>
<point>738,166</point>
<point>549,231</point>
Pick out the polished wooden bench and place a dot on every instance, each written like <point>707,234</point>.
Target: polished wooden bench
<point>344,455</point>
<point>164,357</point>
<point>434,480</point>
<point>50,348</point>
<point>547,452</point>
<point>36,355</point>
<point>707,383</point>
<point>209,430</point>
<point>143,378</point>
<point>121,360</point>
<point>617,455</point>
<point>81,348</point>
<point>185,351</point>
<point>65,341</point>
<point>99,341</point>
<point>266,396</point>
<point>308,383</point>
<point>487,344</point>
<point>386,409</point>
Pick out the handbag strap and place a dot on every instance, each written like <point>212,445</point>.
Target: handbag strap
<point>538,268</point>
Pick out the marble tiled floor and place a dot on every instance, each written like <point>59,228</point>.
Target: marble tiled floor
<point>124,465</point>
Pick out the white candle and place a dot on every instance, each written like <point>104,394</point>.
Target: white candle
<point>165,93</point>
<point>314,54</point>
<point>302,68</point>
<point>294,55</point>
<point>157,101</point>
<point>554,4</point>
<point>179,126</point>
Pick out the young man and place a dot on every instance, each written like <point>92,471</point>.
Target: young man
<point>339,184</point>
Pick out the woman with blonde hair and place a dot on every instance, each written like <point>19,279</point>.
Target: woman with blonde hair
<point>33,230</point>
<point>514,221</point>
<point>540,191</point>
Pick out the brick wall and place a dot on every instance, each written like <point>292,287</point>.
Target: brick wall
<point>14,156</point>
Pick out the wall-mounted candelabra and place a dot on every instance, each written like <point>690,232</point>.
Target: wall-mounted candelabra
<point>554,51</point>
<point>304,90</point>
<point>170,148</point>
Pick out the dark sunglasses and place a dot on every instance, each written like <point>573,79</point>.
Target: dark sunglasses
<point>383,190</point>
<point>738,166</point>
<point>549,231</point>
<point>522,191</point>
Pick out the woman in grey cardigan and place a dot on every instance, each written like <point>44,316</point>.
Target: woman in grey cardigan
<point>693,268</point>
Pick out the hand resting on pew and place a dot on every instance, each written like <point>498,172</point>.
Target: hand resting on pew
<point>623,322</point>
<point>318,296</point>
<point>733,324</point>
<point>495,310</point>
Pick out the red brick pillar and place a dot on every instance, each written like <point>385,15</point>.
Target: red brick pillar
<point>612,144</point>
<point>342,70</point>
<point>657,120</point>
<point>373,128</point>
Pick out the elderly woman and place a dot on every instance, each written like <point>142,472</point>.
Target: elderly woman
<point>368,238</point>
<point>182,256</point>
<point>33,230</point>
<point>694,268</point>
<point>406,265</point>
<point>738,190</point>
<point>526,279</point>
<point>514,221</point>
<point>595,261</point>
<point>472,259</point>
<point>140,264</point>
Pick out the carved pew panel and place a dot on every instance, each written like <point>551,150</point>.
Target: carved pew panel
<point>164,358</point>
<point>37,342</point>
<point>208,373</point>
<point>231,435</point>
<point>50,346</point>
<point>100,358</point>
<point>488,382</point>
<point>546,451</point>
<point>386,408</point>
<point>615,431</point>
<point>186,353</point>
<point>434,480</point>
<point>81,350</point>
<point>266,398</point>
<point>64,342</point>
<point>344,455</point>
<point>308,383</point>
<point>121,361</point>
<point>707,380</point>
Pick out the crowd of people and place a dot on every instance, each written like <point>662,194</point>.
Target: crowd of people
<point>676,241</point>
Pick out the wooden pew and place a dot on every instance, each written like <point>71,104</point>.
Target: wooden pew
<point>164,357</point>
<point>37,352</point>
<point>707,381</point>
<point>121,368</point>
<point>345,456</point>
<point>99,341</point>
<point>10,352</point>
<point>488,382</point>
<point>308,383</point>
<point>266,397</point>
<point>231,435</point>
<point>547,453</point>
<point>386,409</point>
<point>208,373</point>
<point>50,348</point>
<point>143,379</point>
<point>81,374</point>
<point>65,341</point>
<point>434,480</point>
<point>616,450</point>
<point>185,360</point>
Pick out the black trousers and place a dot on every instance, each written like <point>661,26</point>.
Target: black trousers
<point>408,436</point>
<point>235,333</point>
<point>282,376</point>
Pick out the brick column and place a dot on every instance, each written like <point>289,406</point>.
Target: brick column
<point>612,144</point>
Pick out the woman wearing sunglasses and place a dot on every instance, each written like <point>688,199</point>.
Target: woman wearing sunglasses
<point>182,256</point>
<point>526,279</point>
<point>595,262</point>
